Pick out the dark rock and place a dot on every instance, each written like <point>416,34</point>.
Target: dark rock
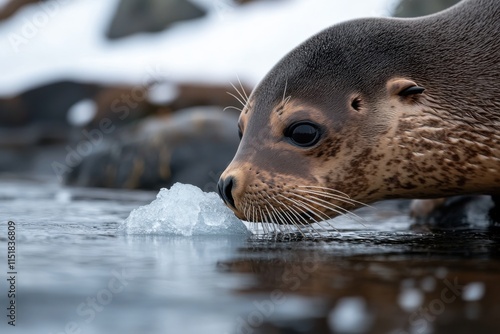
<point>192,146</point>
<point>48,103</point>
<point>459,212</point>
<point>135,16</point>
<point>414,8</point>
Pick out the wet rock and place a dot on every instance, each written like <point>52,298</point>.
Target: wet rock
<point>47,103</point>
<point>59,115</point>
<point>46,113</point>
<point>192,146</point>
<point>135,16</point>
<point>414,8</point>
<point>40,115</point>
<point>126,104</point>
<point>458,212</point>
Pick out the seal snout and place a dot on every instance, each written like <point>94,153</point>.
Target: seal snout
<point>225,188</point>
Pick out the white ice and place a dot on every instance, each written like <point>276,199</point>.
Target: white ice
<point>184,210</point>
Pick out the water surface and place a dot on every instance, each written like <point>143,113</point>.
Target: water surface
<point>75,272</point>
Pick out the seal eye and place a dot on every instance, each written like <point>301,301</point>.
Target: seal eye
<point>240,133</point>
<point>411,91</point>
<point>303,134</point>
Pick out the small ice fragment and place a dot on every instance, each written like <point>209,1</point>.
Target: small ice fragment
<point>410,299</point>
<point>350,315</point>
<point>473,292</point>
<point>184,210</point>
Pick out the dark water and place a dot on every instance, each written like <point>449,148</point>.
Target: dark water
<point>75,274</point>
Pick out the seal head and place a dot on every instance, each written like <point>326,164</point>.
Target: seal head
<point>372,109</point>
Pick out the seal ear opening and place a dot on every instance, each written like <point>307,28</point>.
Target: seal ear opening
<point>356,103</point>
<point>403,87</point>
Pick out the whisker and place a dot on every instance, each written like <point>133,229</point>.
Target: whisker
<point>342,210</point>
<point>286,100</point>
<point>269,221</point>
<point>329,189</point>
<point>283,226</point>
<point>308,225</point>
<point>255,224</point>
<point>284,92</point>
<point>253,213</point>
<point>275,212</point>
<point>280,217</point>
<point>250,216</point>
<point>246,212</point>
<point>318,202</point>
<point>345,196</point>
<point>297,219</point>
<point>315,211</point>
<point>242,89</point>
<point>237,98</point>
<point>292,221</point>
<point>256,220</point>
<point>300,204</point>
<point>259,221</point>
<point>272,221</point>
<point>304,210</point>
<point>333,196</point>
<point>267,224</point>
<point>239,93</point>
<point>278,226</point>
<point>285,216</point>
<point>232,107</point>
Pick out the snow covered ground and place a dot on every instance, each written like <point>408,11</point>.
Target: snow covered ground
<point>65,39</point>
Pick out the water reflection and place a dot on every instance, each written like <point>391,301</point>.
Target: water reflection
<point>435,282</point>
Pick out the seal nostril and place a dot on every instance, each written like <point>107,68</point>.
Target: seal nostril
<point>225,188</point>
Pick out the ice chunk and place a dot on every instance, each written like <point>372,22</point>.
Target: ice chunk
<point>184,210</point>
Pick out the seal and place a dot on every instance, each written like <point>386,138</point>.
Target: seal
<point>372,109</point>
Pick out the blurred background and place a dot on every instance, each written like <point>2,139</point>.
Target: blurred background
<point>144,93</point>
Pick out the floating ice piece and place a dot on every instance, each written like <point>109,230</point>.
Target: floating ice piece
<point>184,210</point>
